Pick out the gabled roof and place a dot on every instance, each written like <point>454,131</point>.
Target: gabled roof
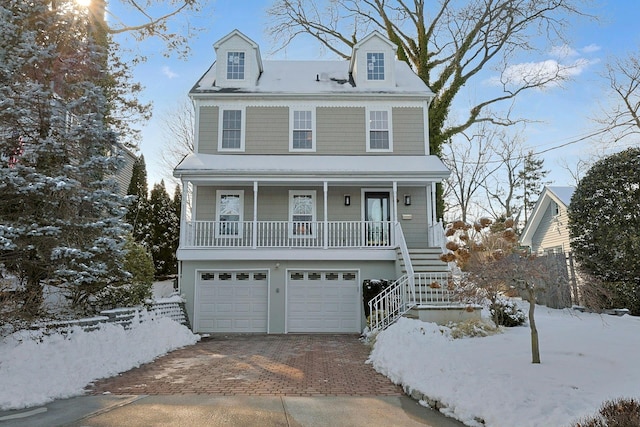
<point>238,33</point>
<point>357,46</point>
<point>312,77</point>
<point>560,195</point>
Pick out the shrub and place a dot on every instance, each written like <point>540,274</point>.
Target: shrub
<point>129,295</point>
<point>472,328</point>
<point>615,413</point>
<point>506,313</point>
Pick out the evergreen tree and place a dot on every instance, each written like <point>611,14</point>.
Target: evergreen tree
<point>60,218</point>
<point>137,214</point>
<point>532,179</point>
<point>162,231</point>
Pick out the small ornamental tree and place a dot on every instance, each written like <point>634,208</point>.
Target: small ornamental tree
<point>604,225</point>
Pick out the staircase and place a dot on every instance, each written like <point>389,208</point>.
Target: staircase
<point>425,260</point>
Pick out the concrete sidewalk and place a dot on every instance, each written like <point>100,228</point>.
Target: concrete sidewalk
<point>200,410</point>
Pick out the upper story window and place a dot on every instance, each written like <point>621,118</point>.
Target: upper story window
<point>235,65</point>
<point>302,130</point>
<point>231,137</point>
<point>375,66</point>
<point>555,209</point>
<point>229,208</point>
<point>379,131</point>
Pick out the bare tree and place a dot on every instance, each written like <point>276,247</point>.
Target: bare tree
<point>621,119</point>
<point>178,137</point>
<point>470,160</point>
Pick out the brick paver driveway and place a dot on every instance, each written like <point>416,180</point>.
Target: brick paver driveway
<point>275,365</point>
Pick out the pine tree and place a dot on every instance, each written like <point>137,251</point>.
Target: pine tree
<point>137,213</point>
<point>532,178</point>
<point>60,217</point>
<point>163,231</point>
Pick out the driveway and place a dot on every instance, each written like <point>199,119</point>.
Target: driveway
<point>259,365</point>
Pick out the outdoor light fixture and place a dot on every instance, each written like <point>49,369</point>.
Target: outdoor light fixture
<point>407,200</point>
<point>347,200</point>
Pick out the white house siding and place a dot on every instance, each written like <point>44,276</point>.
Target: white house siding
<point>408,131</point>
<point>267,130</point>
<point>208,130</point>
<point>277,270</point>
<point>552,232</point>
<point>340,131</point>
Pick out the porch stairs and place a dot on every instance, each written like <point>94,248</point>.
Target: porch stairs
<point>421,292</point>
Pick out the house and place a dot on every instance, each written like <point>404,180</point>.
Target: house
<point>124,173</point>
<point>547,229</point>
<point>307,178</point>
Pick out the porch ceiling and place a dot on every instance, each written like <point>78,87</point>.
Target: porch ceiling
<point>311,168</point>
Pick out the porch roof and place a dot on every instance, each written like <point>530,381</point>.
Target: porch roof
<point>417,169</point>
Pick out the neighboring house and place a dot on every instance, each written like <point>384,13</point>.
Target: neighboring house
<point>125,170</point>
<point>547,230</point>
<point>307,178</point>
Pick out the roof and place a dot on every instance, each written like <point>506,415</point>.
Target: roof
<point>415,169</point>
<point>560,195</point>
<point>314,77</point>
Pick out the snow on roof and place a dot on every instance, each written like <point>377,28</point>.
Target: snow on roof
<point>370,167</point>
<point>313,77</point>
<point>563,193</point>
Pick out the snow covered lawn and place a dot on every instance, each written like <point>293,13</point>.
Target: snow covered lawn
<point>37,371</point>
<point>586,359</point>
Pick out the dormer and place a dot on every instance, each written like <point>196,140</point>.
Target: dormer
<point>373,62</point>
<point>238,61</point>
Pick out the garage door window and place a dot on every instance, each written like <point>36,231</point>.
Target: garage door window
<point>229,207</point>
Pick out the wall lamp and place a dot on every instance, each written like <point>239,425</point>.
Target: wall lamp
<point>407,200</point>
<point>347,200</point>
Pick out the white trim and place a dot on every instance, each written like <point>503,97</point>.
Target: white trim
<point>196,295</point>
<point>322,270</point>
<point>243,119</point>
<point>352,102</point>
<point>369,253</point>
<point>384,67</point>
<point>313,230</point>
<point>244,66</point>
<point>292,111</point>
<point>240,194</point>
<point>376,190</point>
<point>368,112</point>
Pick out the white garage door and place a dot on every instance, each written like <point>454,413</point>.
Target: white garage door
<point>232,301</point>
<point>323,301</point>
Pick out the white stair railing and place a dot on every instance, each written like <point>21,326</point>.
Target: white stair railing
<point>389,305</point>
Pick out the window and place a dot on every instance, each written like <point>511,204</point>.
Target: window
<point>235,65</point>
<point>379,131</point>
<point>375,66</point>
<point>231,134</point>
<point>555,209</point>
<point>229,208</point>
<point>302,212</point>
<point>302,137</point>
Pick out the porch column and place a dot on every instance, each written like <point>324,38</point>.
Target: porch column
<point>183,212</point>
<point>394,211</point>
<point>254,235</point>
<point>325,236</point>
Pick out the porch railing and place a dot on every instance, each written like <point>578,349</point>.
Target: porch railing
<point>430,289</point>
<point>289,234</point>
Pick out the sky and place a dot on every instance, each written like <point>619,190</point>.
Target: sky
<point>559,115</point>
<point>586,359</point>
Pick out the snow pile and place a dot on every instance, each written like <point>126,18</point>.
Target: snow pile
<point>586,359</point>
<point>37,371</point>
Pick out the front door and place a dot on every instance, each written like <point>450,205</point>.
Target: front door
<point>377,216</point>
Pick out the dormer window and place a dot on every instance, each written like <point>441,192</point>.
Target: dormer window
<point>235,66</point>
<point>375,66</point>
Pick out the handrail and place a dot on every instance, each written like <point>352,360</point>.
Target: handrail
<point>389,305</point>
<point>404,250</point>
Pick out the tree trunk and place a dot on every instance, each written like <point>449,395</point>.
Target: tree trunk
<point>535,347</point>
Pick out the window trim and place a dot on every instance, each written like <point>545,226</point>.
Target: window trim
<point>219,194</point>
<point>388,110</point>
<point>384,68</point>
<point>292,111</point>
<point>221,129</point>
<point>312,232</point>
<point>244,66</point>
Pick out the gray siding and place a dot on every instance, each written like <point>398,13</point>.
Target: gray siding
<point>340,131</point>
<point>408,131</point>
<point>208,130</point>
<point>414,229</point>
<point>205,209</point>
<point>267,130</point>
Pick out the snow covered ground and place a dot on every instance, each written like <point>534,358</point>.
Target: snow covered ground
<point>586,359</point>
